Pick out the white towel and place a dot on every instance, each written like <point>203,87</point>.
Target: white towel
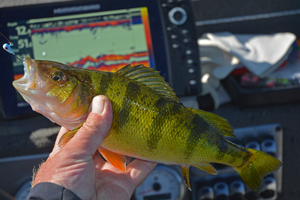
<point>260,54</point>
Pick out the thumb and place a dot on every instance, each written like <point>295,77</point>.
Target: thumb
<point>95,129</point>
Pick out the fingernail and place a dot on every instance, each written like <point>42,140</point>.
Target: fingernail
<point>98,105</point>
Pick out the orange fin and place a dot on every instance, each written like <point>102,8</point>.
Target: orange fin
<point>186,176</point>
<point>117,160</point>
<point>205,166</point>
<point>67,137</point>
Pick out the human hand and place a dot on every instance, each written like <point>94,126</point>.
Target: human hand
<point>79,167</point>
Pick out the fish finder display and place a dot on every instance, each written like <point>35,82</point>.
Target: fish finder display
<point>103,35</point>
<point>105,41</point>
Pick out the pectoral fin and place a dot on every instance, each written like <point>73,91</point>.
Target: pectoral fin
<point>186,176</point>
<point>117,160</point>
<point>67,137</point>
<point>205,166</point>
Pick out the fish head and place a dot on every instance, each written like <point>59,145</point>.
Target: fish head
<point>57,91</point>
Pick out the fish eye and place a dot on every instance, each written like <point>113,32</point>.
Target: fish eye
<point>57,76</point>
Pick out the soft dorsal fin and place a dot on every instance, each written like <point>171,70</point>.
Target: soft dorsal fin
<point>216,121</point>
<point>149,77</point>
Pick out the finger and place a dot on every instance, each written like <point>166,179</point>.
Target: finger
<point>95,129</point>
<point>139,170</point>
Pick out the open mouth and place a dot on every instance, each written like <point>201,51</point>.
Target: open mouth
<point>27,81</point>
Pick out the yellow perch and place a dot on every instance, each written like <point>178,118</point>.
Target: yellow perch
<point>149,122</point>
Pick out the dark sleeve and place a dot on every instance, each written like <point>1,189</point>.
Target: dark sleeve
<point>51,191</point>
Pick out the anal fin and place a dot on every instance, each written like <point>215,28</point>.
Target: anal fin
<point>117,160</point>
<point>67,137</point>
<point>186,176</point>
<point>205,166</point>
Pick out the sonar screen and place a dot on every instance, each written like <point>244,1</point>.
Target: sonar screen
<point>103,35</point>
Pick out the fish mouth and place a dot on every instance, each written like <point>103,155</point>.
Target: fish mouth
<point>30,85</point>
<point>26,82</point>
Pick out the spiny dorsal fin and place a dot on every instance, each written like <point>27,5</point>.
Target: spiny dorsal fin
<point>149,77</point>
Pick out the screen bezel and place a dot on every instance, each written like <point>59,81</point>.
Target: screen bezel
<point>9,94</point>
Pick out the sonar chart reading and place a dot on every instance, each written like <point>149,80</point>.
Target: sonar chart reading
<point>103,41</point>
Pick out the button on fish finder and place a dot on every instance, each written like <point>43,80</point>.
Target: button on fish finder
<point>177,16</point>
<point>193,82</point>
<point>191,70</point>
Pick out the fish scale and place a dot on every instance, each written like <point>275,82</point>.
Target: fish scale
<point>189,140</point>
<point>159,123</point>
<point>149,122</point>
<point>155,121</point>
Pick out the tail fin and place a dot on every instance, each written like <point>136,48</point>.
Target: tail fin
<point>258,166</point>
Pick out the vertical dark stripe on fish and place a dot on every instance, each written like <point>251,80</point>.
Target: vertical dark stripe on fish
<point>131,94</point>
<point>175,109</point>
<point>198,129</point>
<point>155,133</point>
<point>234,151</point>
<point>245,157</point>
<point>160,104</point>
<point>105,82</point>
<point>222,148</point>
<point>234,155</point>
